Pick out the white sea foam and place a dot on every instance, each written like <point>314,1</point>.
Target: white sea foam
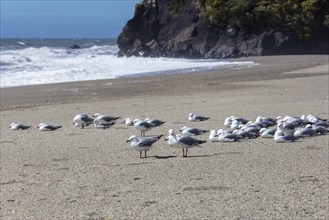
<point>31,65</point>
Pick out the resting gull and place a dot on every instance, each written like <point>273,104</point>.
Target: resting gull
<point>47,127</point>
<point>104,120</point>
<point>16,126</point>
<point>213,137</point>
<point>156,122</point>
<point>128,122</point>
<point>228,137</point>
<point>142,143</point>
<point>193,118</point>
<point>267,132</point>
<point>82,120</point>
<point>192,131</point>
<point>185,141</point>
<point>281,137</point>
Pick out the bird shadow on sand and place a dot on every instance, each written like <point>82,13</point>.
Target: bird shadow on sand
<point>164,157</point>
<point>200,156</point>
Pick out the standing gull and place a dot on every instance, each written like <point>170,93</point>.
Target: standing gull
<point>193,118</point>
<point>16,126</point>
<point>143,126</point>
<point>185,142</point>
<point>142,143</point>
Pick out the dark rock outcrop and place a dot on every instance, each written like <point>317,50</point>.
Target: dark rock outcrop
<point>179,28</point>
<point>75,46</point>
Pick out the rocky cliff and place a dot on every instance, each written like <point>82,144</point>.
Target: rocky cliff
<point>181,28</point>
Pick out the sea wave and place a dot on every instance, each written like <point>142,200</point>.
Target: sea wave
<point>44,65</point>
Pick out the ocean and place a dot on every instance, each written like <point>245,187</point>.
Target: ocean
<point>44,61</point>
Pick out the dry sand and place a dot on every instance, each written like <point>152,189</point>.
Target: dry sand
<point>75,173</point>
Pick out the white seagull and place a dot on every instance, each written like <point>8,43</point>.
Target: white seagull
<point>47,127</point>
<point>143,126</point>
<point>192,131</point>
<point>213,137</point>
<point>185,142</point>
<point>16,126</point>
<point>128,122</point>
<point>104,119</point>
<point>267,132</point>
<point>281,137</point>
<point>156,122</point>
<point>142,143</point>
<point>193,118</point>
<point>82,120</point>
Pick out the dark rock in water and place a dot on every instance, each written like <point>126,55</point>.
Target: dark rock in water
<point>75,46</point>
<point>180,28</point>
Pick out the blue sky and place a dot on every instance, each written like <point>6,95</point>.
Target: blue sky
<point>64,18</point>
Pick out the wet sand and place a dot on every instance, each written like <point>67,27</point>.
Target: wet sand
<point>90,173</point>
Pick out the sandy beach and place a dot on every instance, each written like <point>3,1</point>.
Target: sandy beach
<point>74,173</point>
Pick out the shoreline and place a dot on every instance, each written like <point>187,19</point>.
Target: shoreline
<point>75,173</point>
<point>270,67</point>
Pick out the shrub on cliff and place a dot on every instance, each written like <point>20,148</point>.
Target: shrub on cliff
<point>301,18</point>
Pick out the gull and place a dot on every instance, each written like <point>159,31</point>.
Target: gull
<point>250,128</point>
<point>192,131</point>
<point>185,142</point>
<point>143,126</point>
<point>301,132</point>
<point>97,125</point>
<point>228,137</point>
<point>319,129</point>
<point>312,119</point>
<point>281,137</point>
<point>323,124</point>
<point>268,120</point>
<point>267,132</point>
<point>193,118</point>
<point>142,143</point>
<point>104,119</point>
<point>213,137</point>
<point>82,120</point>
<point>156,122</point>
<point>128,122</point>
<point>245,134</point>
<point>16,126</point>
<point>47,127</point>
<point>287,128</point>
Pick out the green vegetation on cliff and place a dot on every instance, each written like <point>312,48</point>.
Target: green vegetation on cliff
<point>301,18</point>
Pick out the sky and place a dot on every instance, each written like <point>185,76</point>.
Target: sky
<point>64,18</point>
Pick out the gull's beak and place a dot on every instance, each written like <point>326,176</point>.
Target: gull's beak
<point>127,141</point>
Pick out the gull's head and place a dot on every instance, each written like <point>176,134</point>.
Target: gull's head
<point>183,128</point>
<point>262,130</point>
<point>96,114</point>
<point>212,133</point>
<point>12,124</point>
<point>136,120</point>
<point>128,121</point>
<point>40,125</point>
<point>308,126</point>
<point>131,138</point>
<point>171,132</point>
